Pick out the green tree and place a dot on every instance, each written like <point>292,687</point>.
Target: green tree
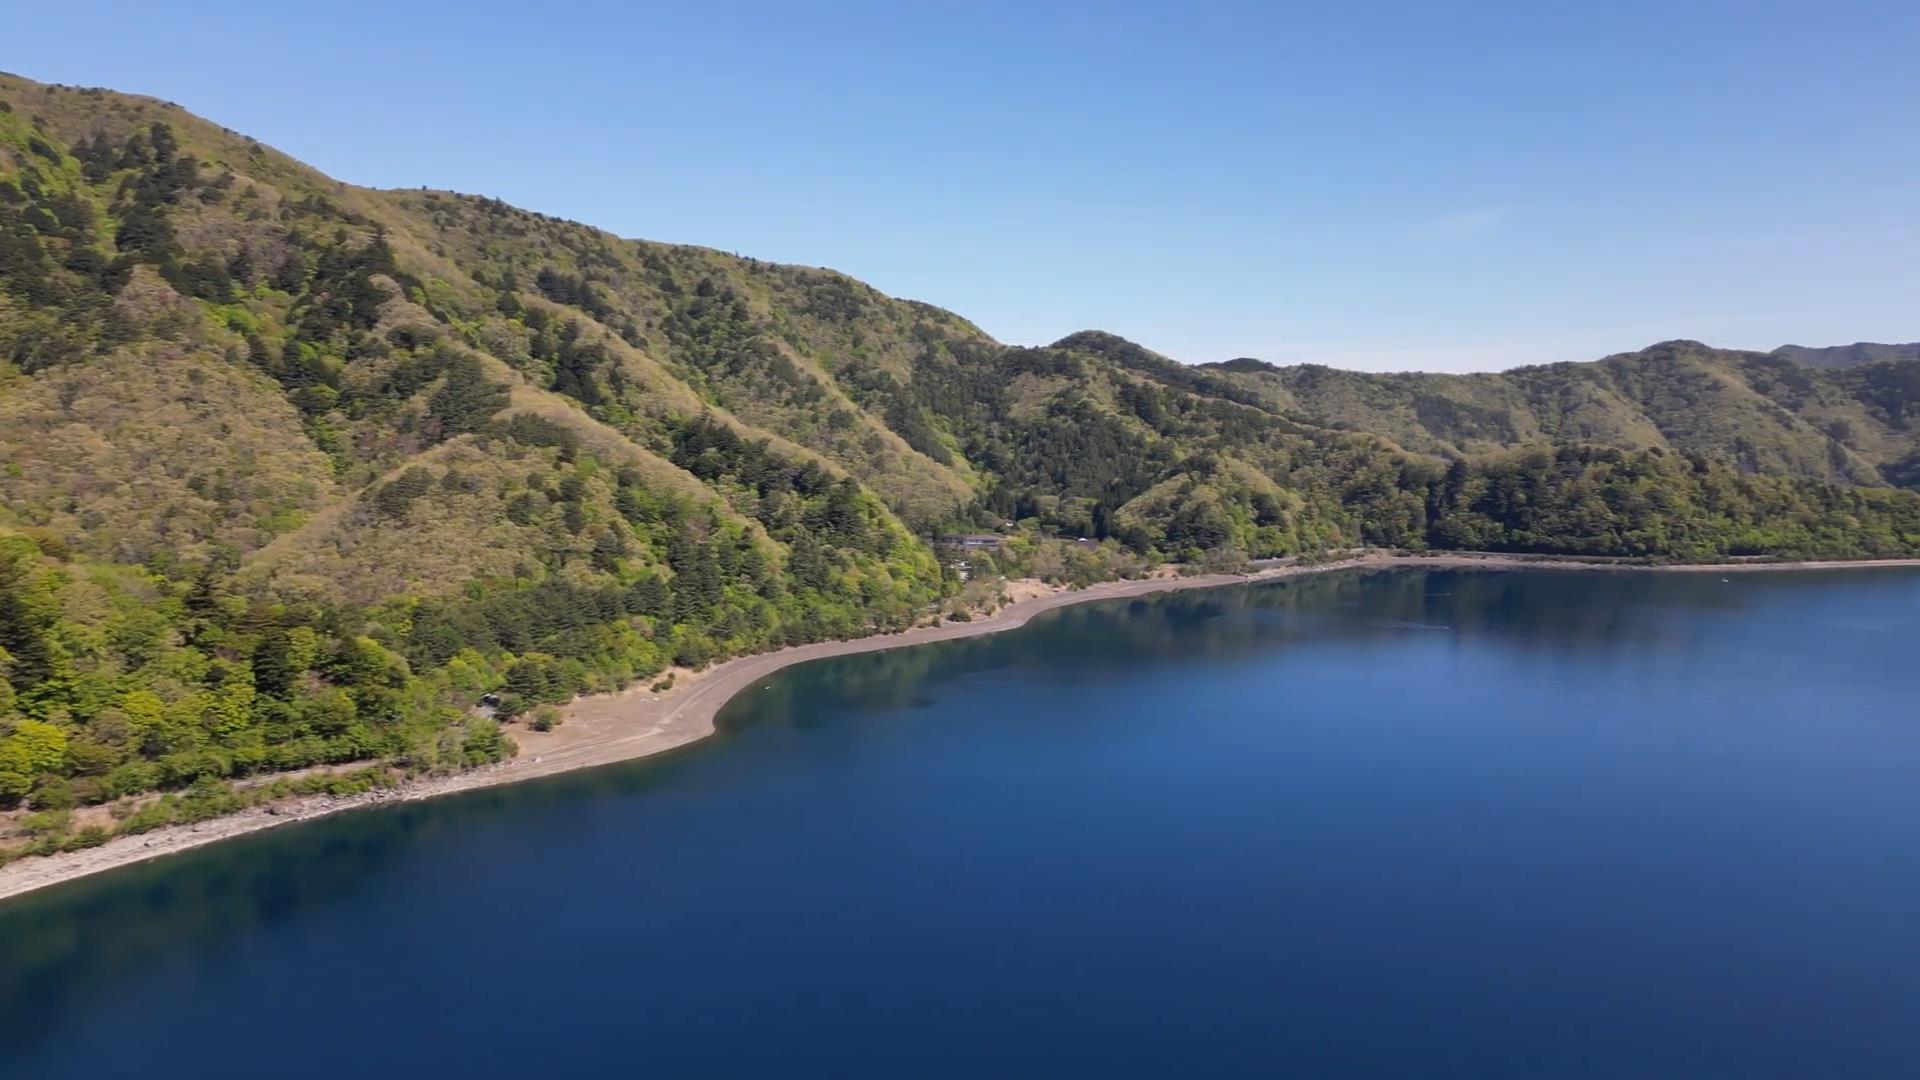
<point>467,400</point>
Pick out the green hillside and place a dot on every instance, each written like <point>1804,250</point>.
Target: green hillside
<point>1849,415</point>
<point>292,472</point>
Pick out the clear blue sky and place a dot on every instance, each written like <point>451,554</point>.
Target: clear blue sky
<point>1447,186</point>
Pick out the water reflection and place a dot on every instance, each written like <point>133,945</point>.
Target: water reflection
<point>1538,614</point>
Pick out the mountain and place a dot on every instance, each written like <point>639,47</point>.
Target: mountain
<point>1860,352</point>
<point>1851,418</point>
<point>292,472</point>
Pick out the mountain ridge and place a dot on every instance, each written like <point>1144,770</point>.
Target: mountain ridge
<point>1851,422</point>
<point>1858,352</point>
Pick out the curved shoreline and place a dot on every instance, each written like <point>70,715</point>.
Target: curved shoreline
<point>605,729</point>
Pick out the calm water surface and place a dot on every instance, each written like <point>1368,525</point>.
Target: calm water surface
<point>1409,823</point>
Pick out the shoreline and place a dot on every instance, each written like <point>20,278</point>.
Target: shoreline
<point>608,728</point>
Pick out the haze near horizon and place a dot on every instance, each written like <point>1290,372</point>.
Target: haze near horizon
<point>1392,190</point>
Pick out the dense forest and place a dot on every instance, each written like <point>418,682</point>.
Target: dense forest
<point>292,472</point>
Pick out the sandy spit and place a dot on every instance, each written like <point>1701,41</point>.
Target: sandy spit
<point>602,729</point>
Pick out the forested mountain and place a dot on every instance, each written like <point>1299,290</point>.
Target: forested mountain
<point>1860,352</point>
<point>1849,415</point>
<point>292,471</point>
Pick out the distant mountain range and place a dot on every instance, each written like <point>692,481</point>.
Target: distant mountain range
<point>1860,352</point>
<point>292,470</point>
<point>1847,414</point>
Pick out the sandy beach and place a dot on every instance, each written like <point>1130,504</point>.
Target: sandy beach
<point>603,729</point>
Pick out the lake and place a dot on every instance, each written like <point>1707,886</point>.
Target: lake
<point>1398,823</point>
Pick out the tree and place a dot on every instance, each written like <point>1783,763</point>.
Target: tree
<point>467,400</point>
<point>277,662</point>
<point>26,615</point>
<point>697,587</point>
<point>38,747</point>
<point>160,137</point>
<point>16,773</point>
<point>97,157</point>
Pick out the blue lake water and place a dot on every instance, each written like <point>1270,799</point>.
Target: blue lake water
<point>1401,823</point>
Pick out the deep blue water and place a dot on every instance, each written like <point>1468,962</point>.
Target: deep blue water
<point>1406,823</point>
